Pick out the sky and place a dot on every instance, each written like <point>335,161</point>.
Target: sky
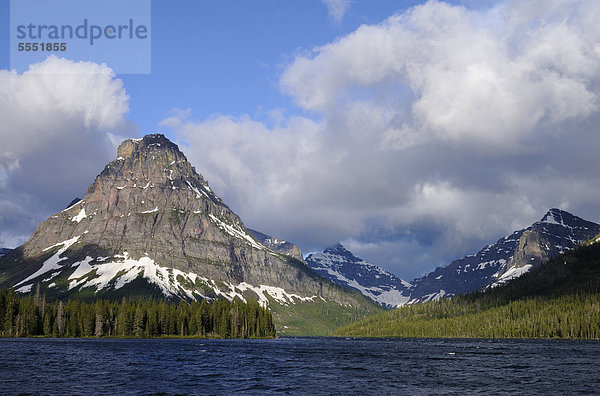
<point>414,132</point>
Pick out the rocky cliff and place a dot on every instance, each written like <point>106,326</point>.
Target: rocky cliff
<point>557,232</point>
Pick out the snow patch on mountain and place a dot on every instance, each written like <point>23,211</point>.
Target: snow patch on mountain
<point>198,192</point>
<point>429,297</point>
<point>236,232</point>
<point>277,293</point>
<point>24,289</point>
<point>114,273</point>
<point>80,216</point>
<point>512,273</point>
<point>52,263</point>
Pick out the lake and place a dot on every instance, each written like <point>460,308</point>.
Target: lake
<point>299,366</point>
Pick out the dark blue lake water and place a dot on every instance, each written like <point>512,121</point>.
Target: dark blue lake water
<point>299,366</point>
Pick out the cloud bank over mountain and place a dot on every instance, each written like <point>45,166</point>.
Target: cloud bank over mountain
<point>413,140</point>
<point>422,136</point>
<point>56,120</point>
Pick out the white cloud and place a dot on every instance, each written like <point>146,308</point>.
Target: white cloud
<point>488,76</point>
<point>55,120</point>
<point>438,130</point>
<point>337,9</point>
<point>257,169</point>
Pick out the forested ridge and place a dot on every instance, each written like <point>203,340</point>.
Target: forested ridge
<point>33,316</point>
<point>560,299</point>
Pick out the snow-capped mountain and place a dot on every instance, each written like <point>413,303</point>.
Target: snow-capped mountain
<point>151,225</point>
<point>342,267</point>
<point>510,257</point>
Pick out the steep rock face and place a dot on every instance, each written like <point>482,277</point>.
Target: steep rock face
<point>150,219</point>
<point>342,267</point>
<point>557,232</point>
<point>278,245</point>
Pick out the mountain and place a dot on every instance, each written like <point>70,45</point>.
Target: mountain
<point>150,225</point>
<point>556,299</point>
<point>510,257</point>
<point>343,268</point>
<point>4,251</point>
<point>278,245</point>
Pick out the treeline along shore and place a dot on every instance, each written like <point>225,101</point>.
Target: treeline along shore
<point>32,316</point>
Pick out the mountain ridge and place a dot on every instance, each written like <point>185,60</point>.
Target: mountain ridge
<point>342,267</point>
<point>510,257</point>
<point>277,244</point>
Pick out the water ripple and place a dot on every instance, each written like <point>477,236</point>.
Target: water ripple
<point>298,366</point>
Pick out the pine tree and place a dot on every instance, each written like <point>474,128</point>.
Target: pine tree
<point>139,321</point>
<point>60,319</point>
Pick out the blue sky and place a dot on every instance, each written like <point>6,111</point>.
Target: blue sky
<point>226,56</point>
<point>414,132</point>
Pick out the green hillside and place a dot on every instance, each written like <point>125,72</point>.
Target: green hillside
<point>560,299</point>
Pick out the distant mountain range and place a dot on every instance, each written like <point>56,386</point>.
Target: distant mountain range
<point>343,268</point>
<point>510,257</point>
<point>4,251</point>
<point>557,299</point>
<point>150,225</point>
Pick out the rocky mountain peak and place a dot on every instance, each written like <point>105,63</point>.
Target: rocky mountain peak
<point>553,215</point>
<point>147,143</point>
<point>344,268</point>
<point>151,163</point>
<point>338,249</point>
<point>565,219</point>
<point>152,158</point>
